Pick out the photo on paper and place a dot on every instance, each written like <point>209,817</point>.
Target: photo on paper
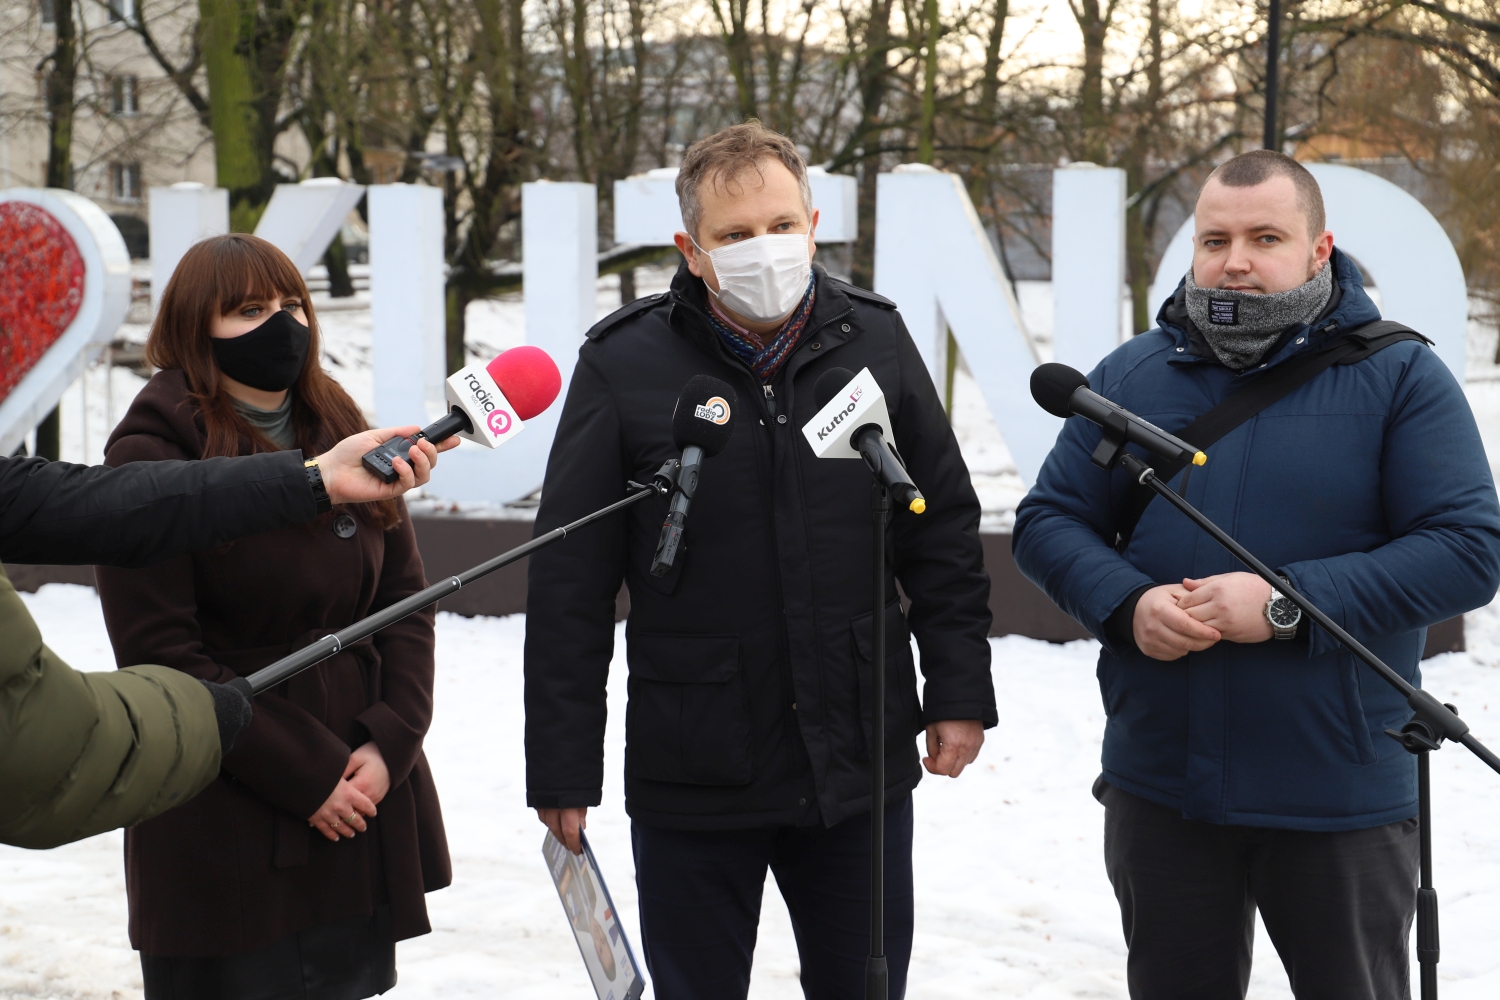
<point>594,921</point>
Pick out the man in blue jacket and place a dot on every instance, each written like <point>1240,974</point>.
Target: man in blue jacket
<point>1244,762</point>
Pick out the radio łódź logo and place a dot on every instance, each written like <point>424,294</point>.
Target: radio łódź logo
<point>716,410</point>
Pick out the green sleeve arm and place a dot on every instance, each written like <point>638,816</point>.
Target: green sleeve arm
<point>82,753</point>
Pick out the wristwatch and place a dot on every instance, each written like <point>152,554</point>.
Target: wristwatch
<point>1283,615</point>
<point>315,482</point>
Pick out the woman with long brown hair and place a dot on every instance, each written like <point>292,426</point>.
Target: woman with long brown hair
<point>294,874</point>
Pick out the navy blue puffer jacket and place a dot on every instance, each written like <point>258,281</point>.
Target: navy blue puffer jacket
<point>1367,487</point>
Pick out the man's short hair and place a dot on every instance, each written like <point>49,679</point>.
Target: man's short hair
<point>728,153</point>
<point>1260,165</point>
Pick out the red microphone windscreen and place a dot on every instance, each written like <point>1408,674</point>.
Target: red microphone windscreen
<point>529,378</point>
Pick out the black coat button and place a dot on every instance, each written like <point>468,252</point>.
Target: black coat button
<point>817,346</point>
<point>344,526</point>
<point>781,419</point>
<point>845,328</point>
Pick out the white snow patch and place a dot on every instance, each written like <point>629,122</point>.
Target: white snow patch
<point>1012,900</point>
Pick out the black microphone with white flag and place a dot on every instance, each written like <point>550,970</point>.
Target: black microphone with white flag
<point>852,422</point>
<point>1065,392</point>
<point>702,424</point>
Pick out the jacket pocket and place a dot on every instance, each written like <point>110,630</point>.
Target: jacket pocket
<point>902,713</point>
<point>687,720</point>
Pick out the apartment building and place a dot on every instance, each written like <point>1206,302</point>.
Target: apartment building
<point>133,129</point>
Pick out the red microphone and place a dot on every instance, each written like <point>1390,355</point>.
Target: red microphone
<point>488,406</point>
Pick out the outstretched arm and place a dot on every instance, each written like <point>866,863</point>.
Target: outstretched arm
<point>143,512</point>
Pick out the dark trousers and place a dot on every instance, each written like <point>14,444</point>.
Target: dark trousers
<point>1338,906</point>
<point>349,960</point>
<point>700,895</point>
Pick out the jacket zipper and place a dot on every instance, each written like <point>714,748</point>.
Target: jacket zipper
<point>783,639</point>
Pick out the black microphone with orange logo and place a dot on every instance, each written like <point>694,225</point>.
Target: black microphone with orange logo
<point>702,424</point>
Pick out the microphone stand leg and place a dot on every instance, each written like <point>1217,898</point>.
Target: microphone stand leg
<point>877,978</point>
<point>1428,948</point>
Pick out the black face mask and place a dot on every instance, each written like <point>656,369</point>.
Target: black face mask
<point>269,357</point>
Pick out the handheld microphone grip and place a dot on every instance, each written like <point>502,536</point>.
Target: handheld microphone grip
<point>1065,392</point>
<point>670,543</point>
<point>702,423</point>
<point>378,461</point>
<point>888,468</point>
<point>1093,407</point>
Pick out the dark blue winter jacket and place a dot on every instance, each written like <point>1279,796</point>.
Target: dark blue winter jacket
<point>1367,487</point>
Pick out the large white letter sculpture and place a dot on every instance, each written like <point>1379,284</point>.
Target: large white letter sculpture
<point>64,290</point>
<point>560,250</point>
<point>1396,241</point>
<point>934,259</point>
<point>1088,263</point>
<point>407,308</point>
<point>181,215</point>
<point>646,210</point>
<point>302,219</point>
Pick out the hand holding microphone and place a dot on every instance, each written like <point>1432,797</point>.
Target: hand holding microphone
<point>488,406</point>
<point>348,481</point>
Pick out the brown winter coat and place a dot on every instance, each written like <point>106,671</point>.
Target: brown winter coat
<point>238,868</point>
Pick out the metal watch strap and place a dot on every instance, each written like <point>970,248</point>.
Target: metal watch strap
<point>315,482</point>
<point>1279,631</point>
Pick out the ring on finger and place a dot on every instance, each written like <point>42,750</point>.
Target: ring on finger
<point>350,820</point>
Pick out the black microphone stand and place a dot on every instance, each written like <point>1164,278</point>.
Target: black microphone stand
<point>1432,723</point>
<point>289,666</point>
<point>877,974</point>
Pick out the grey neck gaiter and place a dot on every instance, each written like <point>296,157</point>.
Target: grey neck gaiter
<point>1242,326</point>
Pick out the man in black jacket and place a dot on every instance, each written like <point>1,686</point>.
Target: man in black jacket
<point>748,722</point>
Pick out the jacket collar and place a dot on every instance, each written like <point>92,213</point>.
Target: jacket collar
<point>689,316</point>
<point>1348,308</point>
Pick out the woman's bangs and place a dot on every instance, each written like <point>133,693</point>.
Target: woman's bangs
<point>247,272</point>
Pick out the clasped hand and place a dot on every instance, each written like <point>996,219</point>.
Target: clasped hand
<point>365,782</point>
<point>1174,620</point>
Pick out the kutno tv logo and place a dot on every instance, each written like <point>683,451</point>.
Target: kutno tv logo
<point>838,418</point>
<point>496,419</point>
<point>716,410</point>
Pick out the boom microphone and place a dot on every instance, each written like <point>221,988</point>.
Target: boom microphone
<point>1063,391</point>
<point>487,406</point>
<point>852,422</point>
<point>701,427</point>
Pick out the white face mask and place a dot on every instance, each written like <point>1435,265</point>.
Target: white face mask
<point>763,278</point>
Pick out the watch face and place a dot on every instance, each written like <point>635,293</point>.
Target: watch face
<point>1283,613</point>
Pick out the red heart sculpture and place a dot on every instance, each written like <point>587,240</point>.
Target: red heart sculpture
<point>41,287</point>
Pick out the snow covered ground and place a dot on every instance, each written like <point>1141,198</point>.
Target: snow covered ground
<point>1012,900</point>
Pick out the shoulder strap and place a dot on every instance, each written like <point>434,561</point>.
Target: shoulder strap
<point>605,326</point>
<point>864,294</point>
<point>1245,402</point>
